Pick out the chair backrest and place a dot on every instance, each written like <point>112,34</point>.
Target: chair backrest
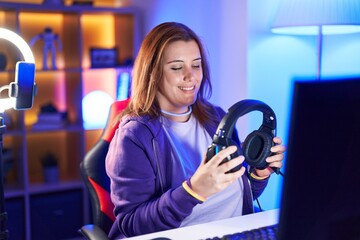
<point>93,172</point>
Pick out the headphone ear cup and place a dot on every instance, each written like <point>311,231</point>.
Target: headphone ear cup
<point>256,148</point>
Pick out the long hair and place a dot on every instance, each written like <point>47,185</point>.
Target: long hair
<point>148,72</point>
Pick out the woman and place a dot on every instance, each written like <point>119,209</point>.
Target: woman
<point>156,160</point>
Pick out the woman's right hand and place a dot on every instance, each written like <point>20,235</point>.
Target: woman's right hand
<point>211,177</point>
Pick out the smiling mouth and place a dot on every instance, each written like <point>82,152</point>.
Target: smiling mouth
<point>187,88</point>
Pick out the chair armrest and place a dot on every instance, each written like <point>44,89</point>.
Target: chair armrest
<point>93,232</point>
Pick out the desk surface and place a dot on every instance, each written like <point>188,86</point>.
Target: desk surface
<point>217,228</point>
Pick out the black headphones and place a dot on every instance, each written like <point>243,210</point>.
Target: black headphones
<point>257,145</point>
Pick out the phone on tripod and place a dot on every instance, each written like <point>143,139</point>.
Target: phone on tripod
<point>24,87</point>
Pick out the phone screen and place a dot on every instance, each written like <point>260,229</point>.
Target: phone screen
<point>24,78</point>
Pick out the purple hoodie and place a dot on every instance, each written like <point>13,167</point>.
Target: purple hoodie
<point>141,180</point>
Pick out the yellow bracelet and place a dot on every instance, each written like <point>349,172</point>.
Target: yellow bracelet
<point>191,192</point>
<point>257,177</point>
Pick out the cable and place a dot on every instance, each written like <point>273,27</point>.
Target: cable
<point>258,203</point>
<point>257,199</point>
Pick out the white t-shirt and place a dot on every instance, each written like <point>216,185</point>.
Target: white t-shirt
<point>189,142</point>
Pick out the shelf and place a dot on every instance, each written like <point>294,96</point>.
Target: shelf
<point>13,133</point>
<point>13,191</point>
<point>66,128</point>
<point>41,188</point>
<point>92,136</point>
<point>80,29</point>
<point>64,8</point>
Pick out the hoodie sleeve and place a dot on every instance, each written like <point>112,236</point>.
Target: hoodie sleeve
<point>140,207</point>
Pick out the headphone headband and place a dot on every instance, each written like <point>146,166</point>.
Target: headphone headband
<point>257,144</point>
<point>227,124</point>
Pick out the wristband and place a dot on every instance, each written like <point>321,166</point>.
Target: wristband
<point>253,175</point>
<point>191,192</point>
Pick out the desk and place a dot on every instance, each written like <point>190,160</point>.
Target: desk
<point>217,228</point>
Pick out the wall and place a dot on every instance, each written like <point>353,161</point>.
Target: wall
<point>248,61</point>
<point>213,21</point>
<point>275,60</point>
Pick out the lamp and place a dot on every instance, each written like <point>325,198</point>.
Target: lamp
<point>317,17</point>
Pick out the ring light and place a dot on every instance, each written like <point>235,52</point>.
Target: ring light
<point>19,43</point>
<point>21,92</point>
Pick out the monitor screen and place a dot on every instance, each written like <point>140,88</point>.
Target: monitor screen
<point>321,189</point>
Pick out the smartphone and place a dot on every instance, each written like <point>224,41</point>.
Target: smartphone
<point>25,85</point>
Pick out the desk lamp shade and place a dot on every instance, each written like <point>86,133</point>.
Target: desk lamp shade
<point>317,17</point>
<point>308,17</point>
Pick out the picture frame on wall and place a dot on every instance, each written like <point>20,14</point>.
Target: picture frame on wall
<point>103,57</point>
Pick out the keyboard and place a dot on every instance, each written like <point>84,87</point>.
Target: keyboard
<point>263,233</point>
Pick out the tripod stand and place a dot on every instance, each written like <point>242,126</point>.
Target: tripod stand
<point>21,96</point>
<point>3,214</point>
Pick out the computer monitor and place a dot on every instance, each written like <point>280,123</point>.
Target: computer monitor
<point>321,189</point>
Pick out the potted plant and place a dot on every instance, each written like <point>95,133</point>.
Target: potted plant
<point>50,168</point>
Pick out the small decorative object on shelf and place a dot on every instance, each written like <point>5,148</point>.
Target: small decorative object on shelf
<point>49,39</point>
<point>3,61</point>
<point>83,2</point>
<point>128,62</point>
<point>8,120</point>
<point>50,118</point>
<point>50,168</point>
<point>54,2</point>
<point>103,57</point>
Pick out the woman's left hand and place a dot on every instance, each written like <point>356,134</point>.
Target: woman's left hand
<point>273,160</point>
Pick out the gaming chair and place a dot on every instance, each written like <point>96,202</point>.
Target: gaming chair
<point>93,172</point>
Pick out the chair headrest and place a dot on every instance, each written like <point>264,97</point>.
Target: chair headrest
<point>111,126</point>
